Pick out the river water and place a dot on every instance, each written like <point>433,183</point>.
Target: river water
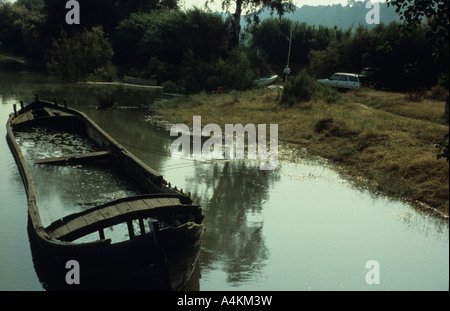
<point>300,227</point>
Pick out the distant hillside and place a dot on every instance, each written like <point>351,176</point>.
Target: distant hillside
<point>337,15</point>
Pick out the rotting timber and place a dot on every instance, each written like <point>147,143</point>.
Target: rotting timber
<point>170,230</point>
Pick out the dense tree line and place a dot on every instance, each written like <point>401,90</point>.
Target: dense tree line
<point>194,50</point>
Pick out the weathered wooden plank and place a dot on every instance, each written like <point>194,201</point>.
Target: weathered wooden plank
<point>82,158</point>
<point>76,223</point>
<point>93,217</point>
<point>151,203</point>
<point>166,202</point>
<point>123,207</point>
<point>24,117</point>
<point>110,211</point>
<point>138,205</point>
<point>60,231</point>
<point>157,203</point>
<point>56,112</point>
<point>173,201</point>
<point>163,202</point>
<point>28,116</point>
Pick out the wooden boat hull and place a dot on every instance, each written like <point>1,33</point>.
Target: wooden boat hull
<point>168,252</point>
<point>133,263</point>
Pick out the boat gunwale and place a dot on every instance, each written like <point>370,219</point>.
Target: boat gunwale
<point>118,201</point>
<point>140,214</point>
<point>28,181</point>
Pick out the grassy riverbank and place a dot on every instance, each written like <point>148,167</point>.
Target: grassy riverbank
<point>386,138</point>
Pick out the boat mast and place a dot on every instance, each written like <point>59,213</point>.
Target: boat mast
<point>290,44</point>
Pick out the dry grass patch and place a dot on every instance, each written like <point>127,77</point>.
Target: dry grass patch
<point>413,105</point>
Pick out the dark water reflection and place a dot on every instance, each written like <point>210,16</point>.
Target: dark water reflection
<point>235,195</point>
<point>299,227</point>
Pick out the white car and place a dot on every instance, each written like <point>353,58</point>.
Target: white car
<point>343,80</point>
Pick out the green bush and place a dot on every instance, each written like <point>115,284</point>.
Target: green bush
<point>173,88</point>
<point>189,48</point>
<point>105,100</point>
<point>106,73</point>
<point>304,88</point>
<point>328,94</point>
<point>442,148</point>
<point>82,55</point>
<point>234,73</point>
<point>169,36</point>
<point>438,92</point>
<point>299,89</point>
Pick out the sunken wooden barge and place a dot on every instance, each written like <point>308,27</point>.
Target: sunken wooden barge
<point>171,230</point>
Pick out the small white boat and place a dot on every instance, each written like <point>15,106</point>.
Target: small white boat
<point>266,80</point>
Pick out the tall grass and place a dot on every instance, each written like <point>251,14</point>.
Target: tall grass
<point>105,101</point>
<point>427,106</point>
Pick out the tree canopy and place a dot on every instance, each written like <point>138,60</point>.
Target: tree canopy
<point>436,15</point>
<point>252,8</point>
<point>435,12</point>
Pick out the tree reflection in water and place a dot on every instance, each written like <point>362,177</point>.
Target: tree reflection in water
<point>232,194</point>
